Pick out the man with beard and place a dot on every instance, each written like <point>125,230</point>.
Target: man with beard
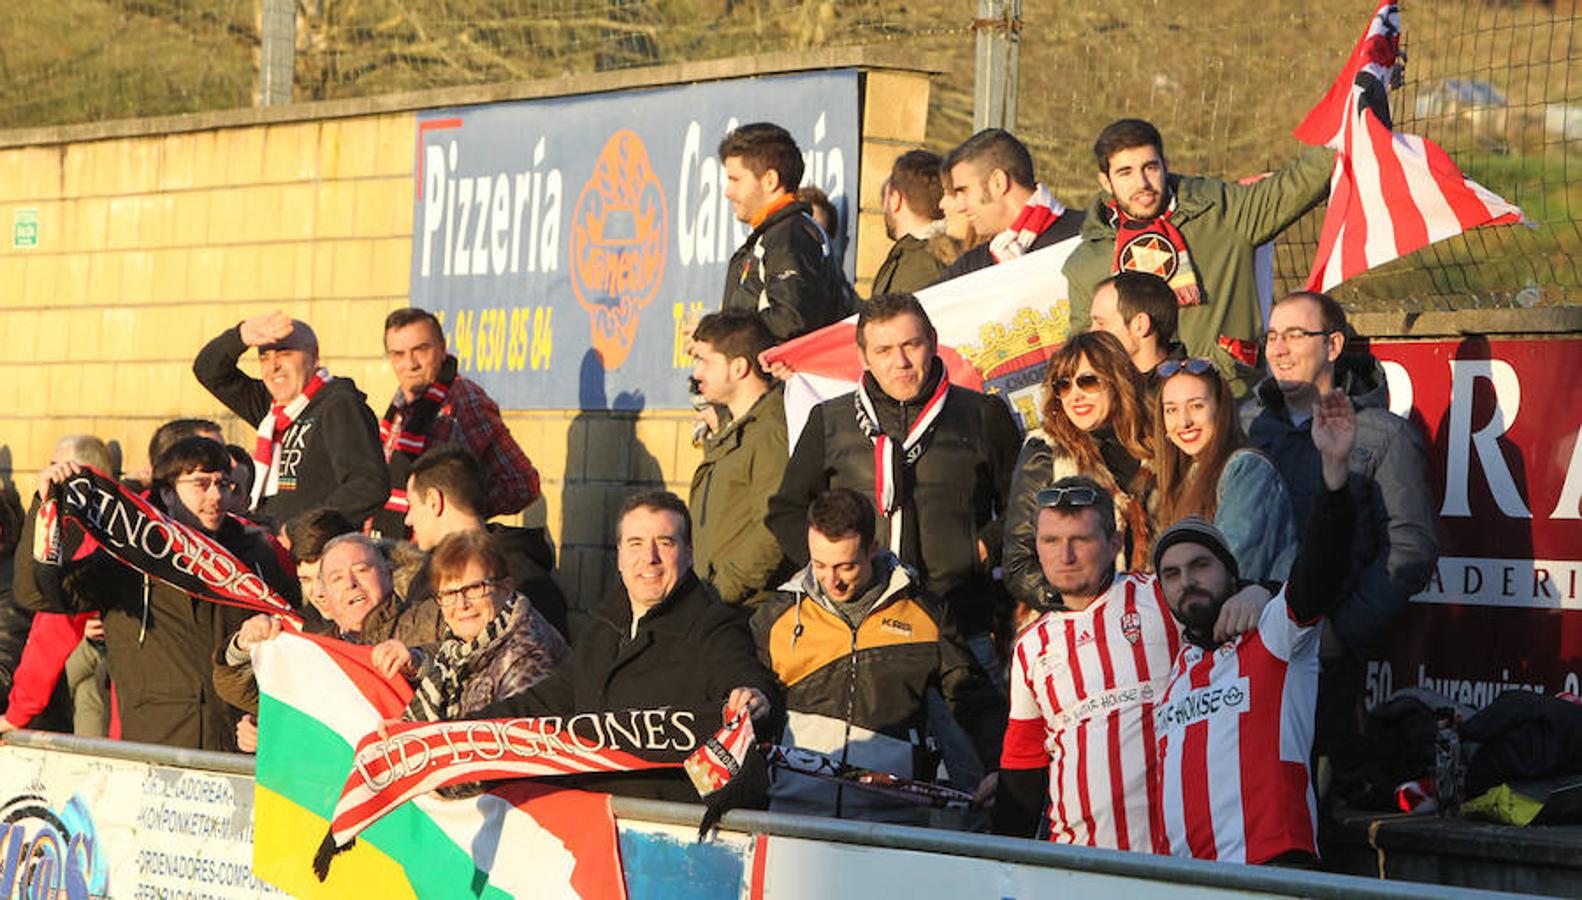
<point>436,407</point>
<point>991,184</point>
<point>914,220</point>
<point>159,640</point>
<point>1084,680</point>
<point>1235,724</point>
<point>1199,234</point>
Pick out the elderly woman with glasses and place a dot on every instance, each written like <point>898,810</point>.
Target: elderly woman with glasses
<point>1095,423</point>
<point>1204,468</point>
<point>498,646</point>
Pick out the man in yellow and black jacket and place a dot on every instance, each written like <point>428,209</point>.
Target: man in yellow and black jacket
<point>857,644</point>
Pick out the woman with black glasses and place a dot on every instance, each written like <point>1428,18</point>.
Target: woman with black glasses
<point>1204,468</point>
<point>499,645</point>
<point>1095,423</point>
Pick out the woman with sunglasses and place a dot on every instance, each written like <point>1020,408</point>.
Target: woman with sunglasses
<point>1204,468</point>
<point>1095,423</point>
<point>499,645</point>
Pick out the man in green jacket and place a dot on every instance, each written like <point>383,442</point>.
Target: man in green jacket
<point>914,220</point>
<point>743,459</point>
<point>1200,234</point>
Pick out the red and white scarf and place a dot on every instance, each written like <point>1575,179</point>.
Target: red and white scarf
<point>266,452</point>
<point>1155,246</point>
<point>886,467</point>
<point>1042,210</point>
<point>404,431</point>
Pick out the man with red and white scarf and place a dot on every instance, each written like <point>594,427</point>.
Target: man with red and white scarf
<point>991,185</point>
<point>935,458</point>
<point>435,407</point>
<point>1199,234</point>
<point>318,442</point>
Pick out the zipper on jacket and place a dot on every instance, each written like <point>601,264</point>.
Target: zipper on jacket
<point>851,710</point>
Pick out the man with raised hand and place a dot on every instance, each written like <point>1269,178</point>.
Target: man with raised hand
<point>435,407</point>
<point>1084,681</point>
<point>1199,234</point>
<point>1235,723</point>
<point>1397,542</point>
<point>318,443</point>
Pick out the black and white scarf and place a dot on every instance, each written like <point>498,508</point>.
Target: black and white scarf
<point>437,697</point>
<point>886,467</point>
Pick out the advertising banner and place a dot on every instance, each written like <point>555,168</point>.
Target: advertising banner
<point>564,242</point>
<point>75,827</point>
<point>1504,609</point>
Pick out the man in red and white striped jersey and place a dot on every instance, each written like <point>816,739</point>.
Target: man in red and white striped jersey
<point>1235,722</point>
<point>1084,679</point>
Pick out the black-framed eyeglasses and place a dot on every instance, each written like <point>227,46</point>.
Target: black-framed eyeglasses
<point>1072,496</point>
<point>205,483</point>
<point>1197,365</point>
<point>1087,381</point>
<point>471,591</point>
<point>1291,335</point>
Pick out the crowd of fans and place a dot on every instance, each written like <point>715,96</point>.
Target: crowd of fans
<point>1134,626</point>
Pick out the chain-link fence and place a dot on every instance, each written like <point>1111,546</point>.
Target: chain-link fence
<point>1498,83</point>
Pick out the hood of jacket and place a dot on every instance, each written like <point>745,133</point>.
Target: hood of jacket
<point>901,581</point>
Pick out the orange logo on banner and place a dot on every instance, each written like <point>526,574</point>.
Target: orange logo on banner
<point>620,236</point>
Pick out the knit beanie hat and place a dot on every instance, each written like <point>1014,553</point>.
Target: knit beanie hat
<point>1196,530</point>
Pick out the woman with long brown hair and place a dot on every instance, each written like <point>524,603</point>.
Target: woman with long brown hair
<point>1204,468</point>
<point>1095,423</point>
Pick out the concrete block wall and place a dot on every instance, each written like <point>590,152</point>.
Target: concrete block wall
<point>155,235</point>
<point>149,245</point>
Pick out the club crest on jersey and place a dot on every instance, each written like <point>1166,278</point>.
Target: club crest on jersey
<point>1150,252</point>
<point>1132,627</point>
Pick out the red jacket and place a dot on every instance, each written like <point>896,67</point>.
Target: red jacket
<point>51,639</point>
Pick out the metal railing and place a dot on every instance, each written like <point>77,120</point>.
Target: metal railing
<point>1139,866</point>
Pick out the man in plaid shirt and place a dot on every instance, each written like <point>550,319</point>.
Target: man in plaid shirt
<point>435,407</point>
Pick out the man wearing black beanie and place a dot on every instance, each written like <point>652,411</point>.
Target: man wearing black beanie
<point>1235,723</point>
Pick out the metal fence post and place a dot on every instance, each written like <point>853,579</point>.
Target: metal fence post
<point>999,29</point>
<point>277,51</point>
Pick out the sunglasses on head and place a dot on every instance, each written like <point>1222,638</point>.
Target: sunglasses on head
<point>1197,365</point>
<point>1074,496</point>
<point>1087,381</point>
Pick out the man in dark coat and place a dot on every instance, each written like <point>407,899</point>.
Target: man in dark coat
<point>992,186</point>
<point>159,640</point>
<point>659,639</point>
<point>947,455</point>
<point>786,269</point>
<point>318,442</point>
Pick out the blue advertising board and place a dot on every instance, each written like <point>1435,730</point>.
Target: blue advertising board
<point>564,242</point>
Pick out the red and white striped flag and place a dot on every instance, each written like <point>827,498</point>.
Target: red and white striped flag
<point>1391,193</point>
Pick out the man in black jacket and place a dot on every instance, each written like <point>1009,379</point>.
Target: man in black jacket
<point>991,184</point>
<point>659,639</point>
<point>159,640</point>
<point>948,453</point>
<point>447,492</point>
<point>786,269</point>
<point>318,442</point>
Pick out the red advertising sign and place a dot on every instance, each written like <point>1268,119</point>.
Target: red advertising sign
<point>1504,609</point>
